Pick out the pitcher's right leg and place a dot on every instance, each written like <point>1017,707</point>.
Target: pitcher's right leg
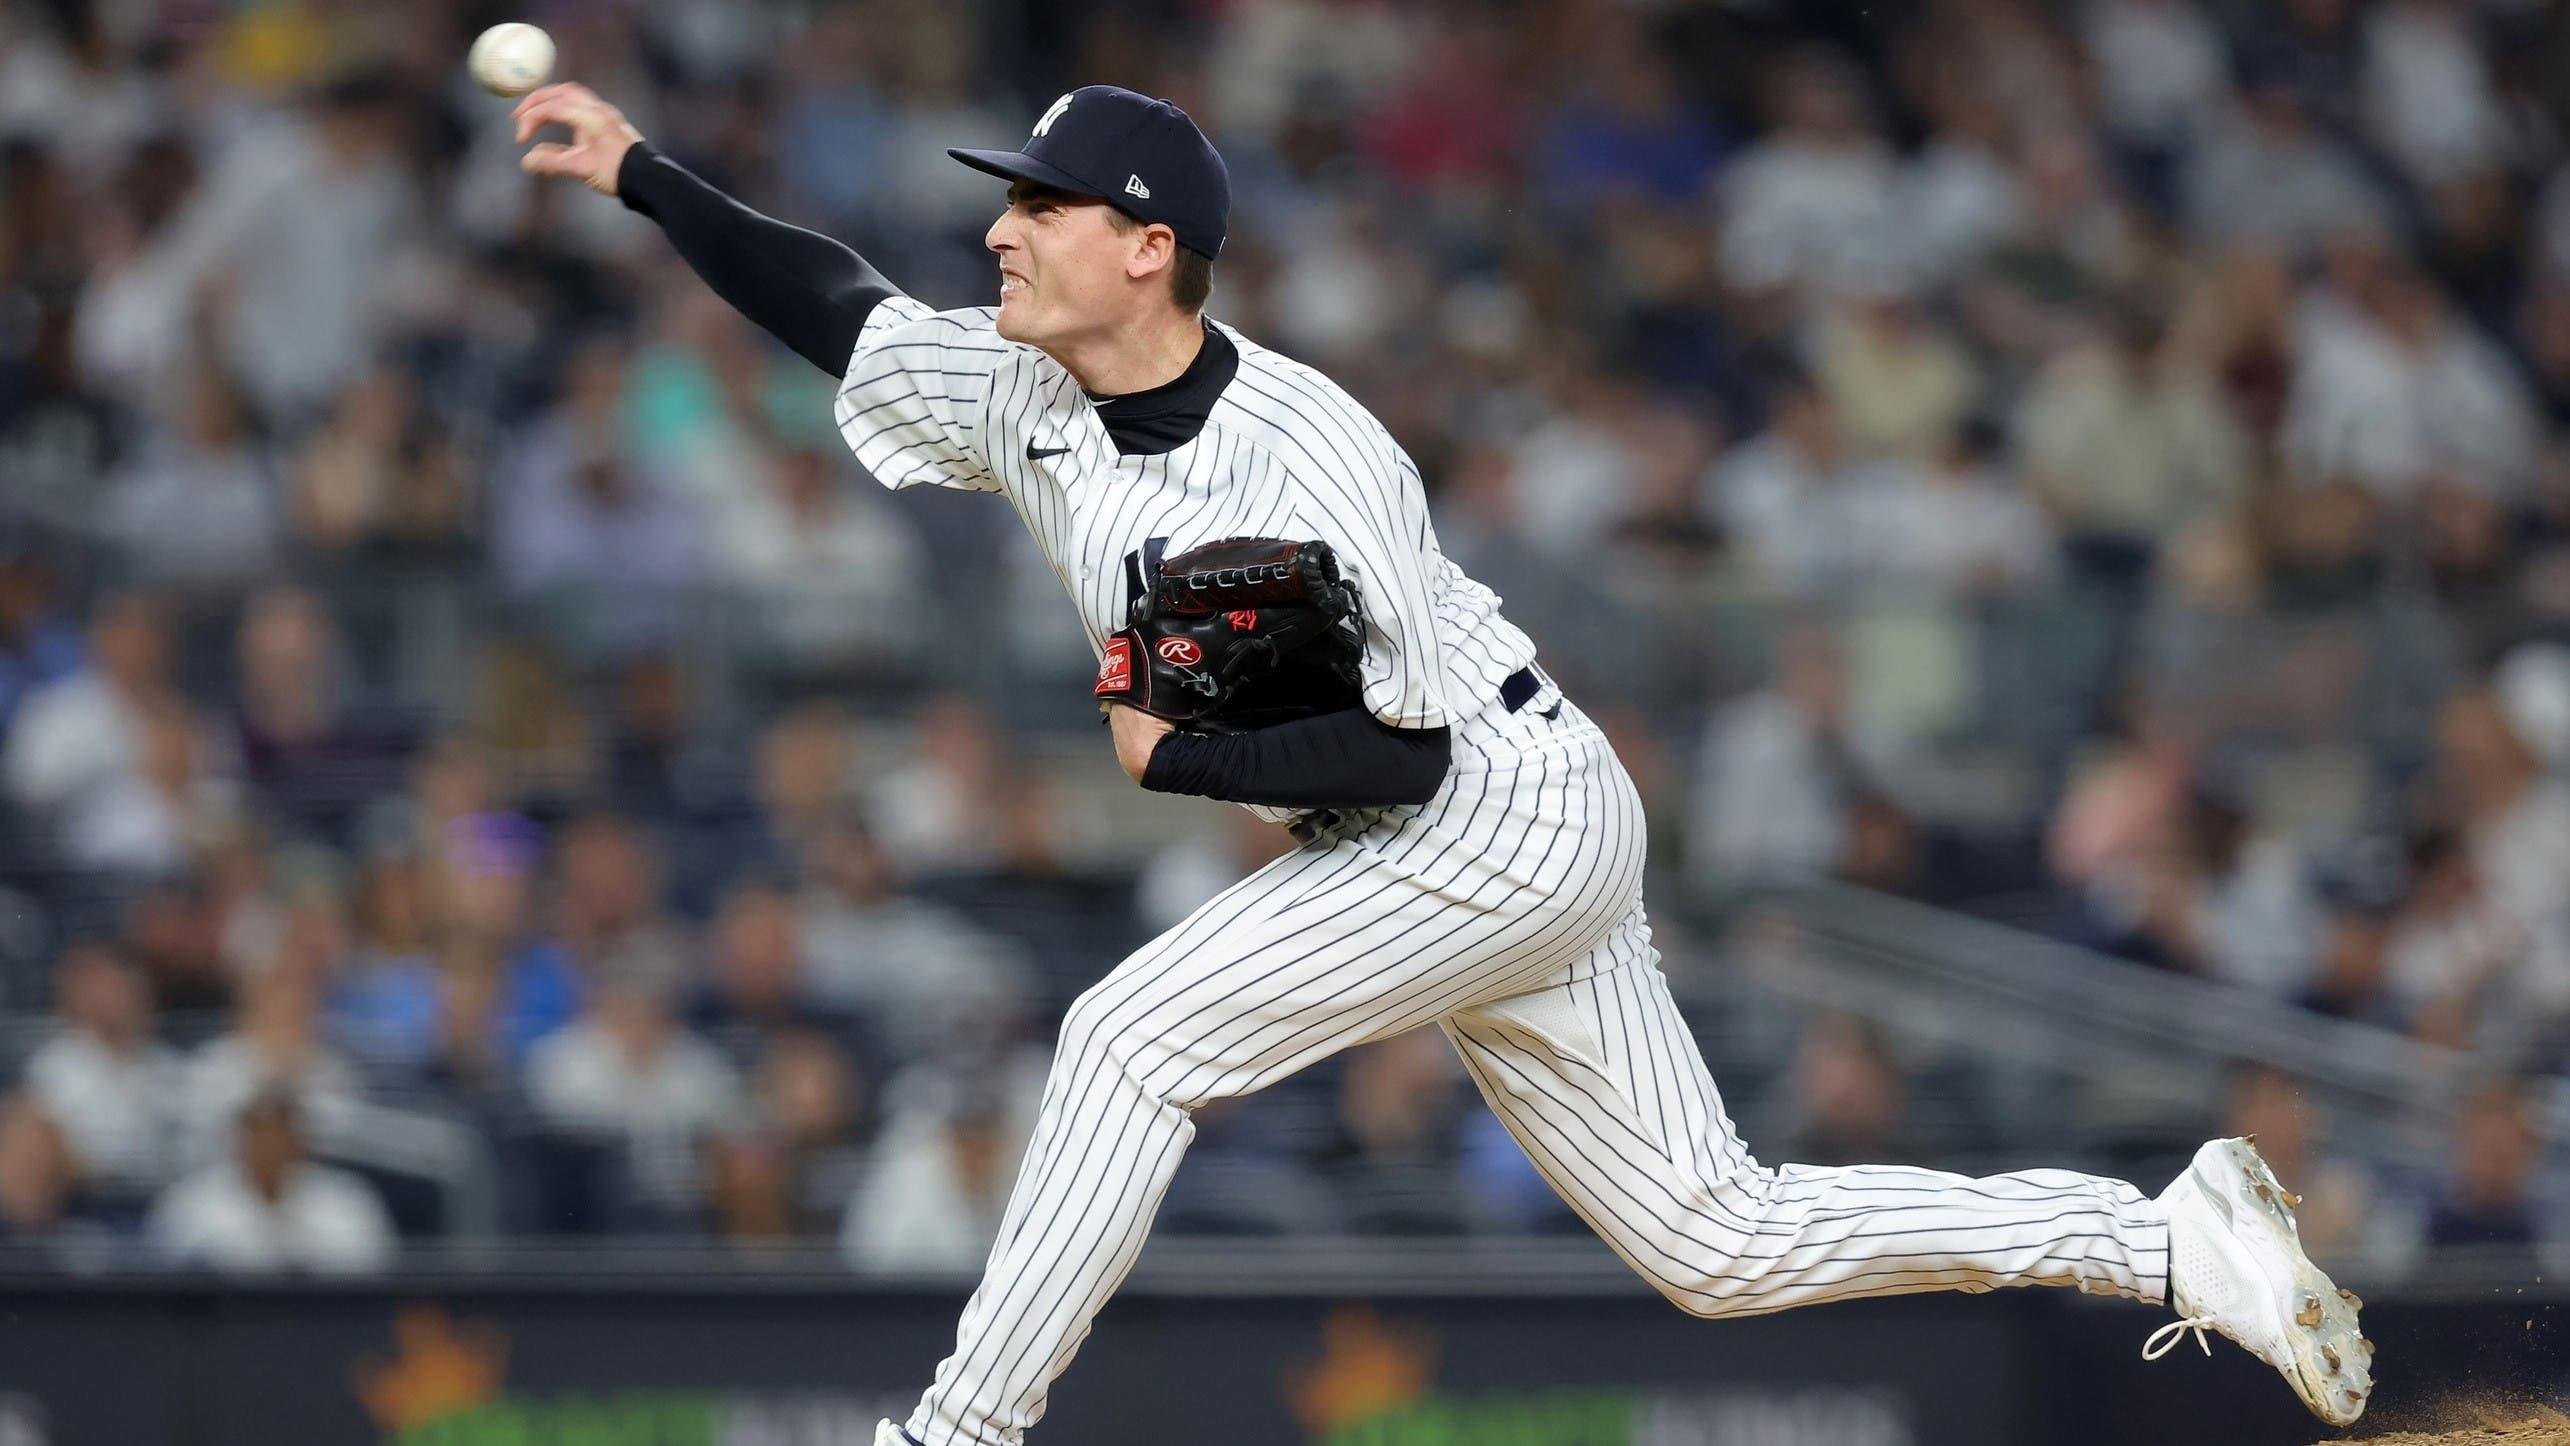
<point>1602,1084</point>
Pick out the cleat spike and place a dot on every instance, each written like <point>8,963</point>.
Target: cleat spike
<point>2309,1315</point>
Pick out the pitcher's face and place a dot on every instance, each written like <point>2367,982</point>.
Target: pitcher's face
<point>1063,266</point>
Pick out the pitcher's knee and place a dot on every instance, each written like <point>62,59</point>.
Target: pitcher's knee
<point>1711,1258</point>
<point>1702,1297</point>
<point>1110,1031</point>
<point>1086,1022</point>
<point>1721,1288</point>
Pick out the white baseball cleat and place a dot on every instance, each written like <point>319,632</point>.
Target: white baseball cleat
<point>2235,1264</point>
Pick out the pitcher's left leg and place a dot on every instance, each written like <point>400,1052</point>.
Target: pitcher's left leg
<point>1485,892</point>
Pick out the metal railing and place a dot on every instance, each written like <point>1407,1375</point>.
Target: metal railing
<point>2151,1036</point>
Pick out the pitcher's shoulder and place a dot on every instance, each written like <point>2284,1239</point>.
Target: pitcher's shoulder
<point>1296,408</point>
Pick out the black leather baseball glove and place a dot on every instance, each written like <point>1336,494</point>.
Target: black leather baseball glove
<point>1238,634</point>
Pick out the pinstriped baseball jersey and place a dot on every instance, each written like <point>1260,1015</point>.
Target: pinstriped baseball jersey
<point>939,398</point>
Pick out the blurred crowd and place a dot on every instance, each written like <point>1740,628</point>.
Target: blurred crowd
<point>475,753</point>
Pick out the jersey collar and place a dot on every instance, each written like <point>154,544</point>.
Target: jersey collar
<point>1169,416</point>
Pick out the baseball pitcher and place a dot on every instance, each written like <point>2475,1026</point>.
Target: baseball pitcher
<point>1250,554</point>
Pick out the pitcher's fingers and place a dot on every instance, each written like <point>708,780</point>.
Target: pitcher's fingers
<point>535,117</point>
<point>560,105</point>
<point>543,93</point>
<point>549,158</point>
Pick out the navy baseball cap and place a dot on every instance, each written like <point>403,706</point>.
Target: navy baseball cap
<point>1142,156</point>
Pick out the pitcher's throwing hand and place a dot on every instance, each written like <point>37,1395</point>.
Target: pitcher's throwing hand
<point>600,135</point>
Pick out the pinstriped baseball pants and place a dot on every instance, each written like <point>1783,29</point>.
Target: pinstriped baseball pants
<point>1508,912</point>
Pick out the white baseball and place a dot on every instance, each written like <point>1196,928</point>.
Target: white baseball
<point>512,58</point>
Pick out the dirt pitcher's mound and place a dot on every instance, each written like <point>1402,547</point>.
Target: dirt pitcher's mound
<point>2489,1425</point>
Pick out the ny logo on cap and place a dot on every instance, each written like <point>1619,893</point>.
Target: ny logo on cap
<point>1045,125</point>
<point>1133,187</point>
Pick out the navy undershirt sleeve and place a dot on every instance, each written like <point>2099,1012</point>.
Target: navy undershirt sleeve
<point>808,291</point>
<point>1347,759</point>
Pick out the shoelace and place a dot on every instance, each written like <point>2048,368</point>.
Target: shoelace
<point>2169,1337</point>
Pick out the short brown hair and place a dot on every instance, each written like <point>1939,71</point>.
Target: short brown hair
<point>1191,273</point>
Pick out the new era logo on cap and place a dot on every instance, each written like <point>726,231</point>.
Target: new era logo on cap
<point>1085,138</point>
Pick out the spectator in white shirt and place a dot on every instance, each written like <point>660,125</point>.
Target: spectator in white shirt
<point>2430,98</point>
<point>826,570</point>
<point>628,1070</point>
<point>1782,497</point>
<point>175,805</point>
<point>66,80</point>
<point>275,1042</point>
<point>2515,817</point>
<point>1574,470</point>
<point>85,733</point>
<point>2161,67</point>
<point>1954,526</point>
<point>2451,950</point>
<point>2265,173</point>
<point>2397,389</point>
<point>941,1171</point>
<point>920,972</point>
<point>111,1088</point>
<point>1812,203</point>
<point>305,220</point>
<point>932,810</point>
<point>199,508</point>
<point>1960,195</point>
<point>1779,776</point>
<point>2481,954</point>
<point>268,1209</point>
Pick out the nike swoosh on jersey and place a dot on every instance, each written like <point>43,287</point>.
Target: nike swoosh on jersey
<point>1038,454</point>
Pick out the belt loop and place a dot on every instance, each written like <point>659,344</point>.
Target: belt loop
<point>1524,686</point>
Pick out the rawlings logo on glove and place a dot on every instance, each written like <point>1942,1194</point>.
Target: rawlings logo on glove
<point>1115,670</point>
<point>1238,633</point>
